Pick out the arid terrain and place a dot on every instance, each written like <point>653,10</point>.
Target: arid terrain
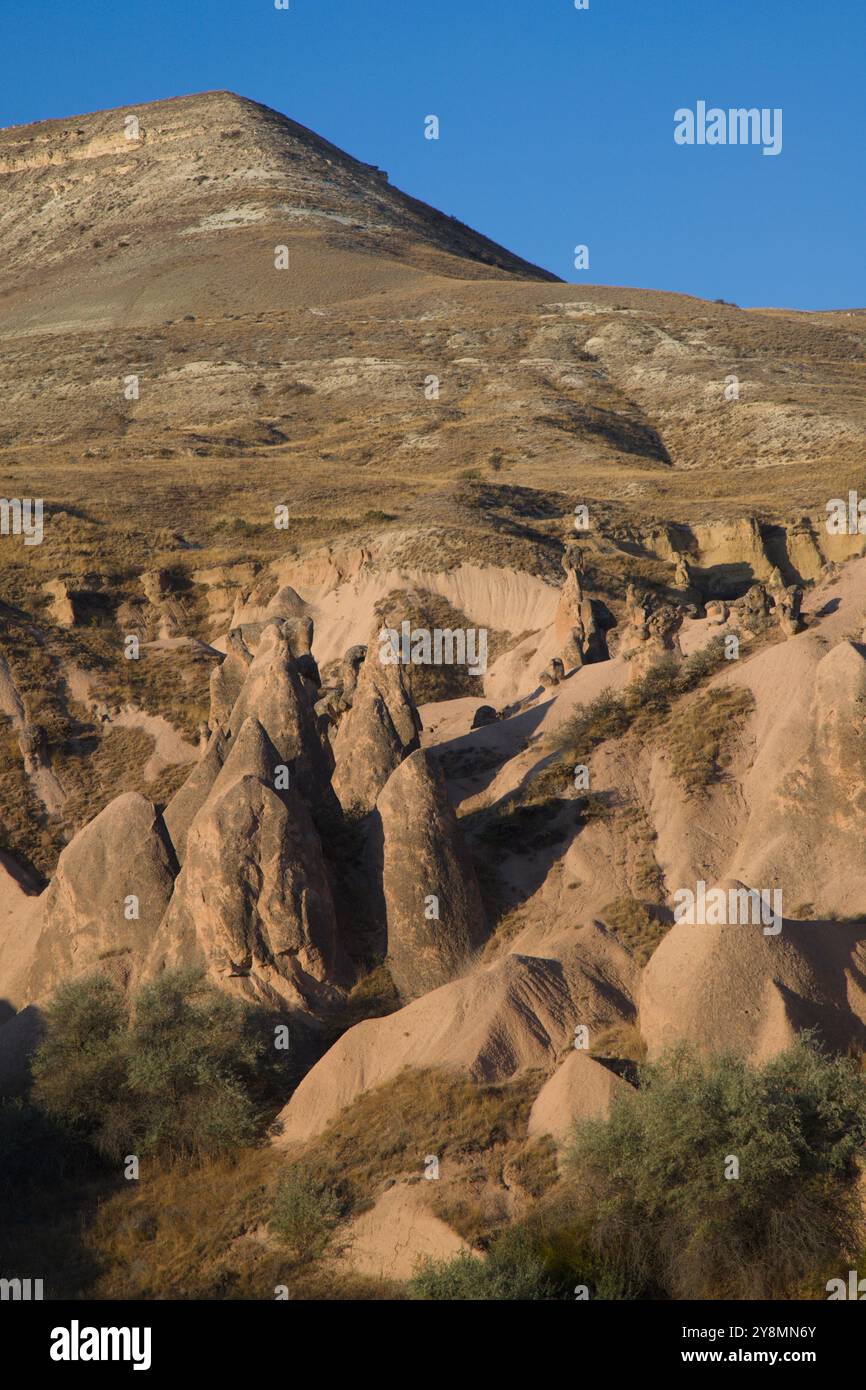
<point>274,406</point>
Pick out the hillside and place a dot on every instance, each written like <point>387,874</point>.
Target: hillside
<point>437,876</point>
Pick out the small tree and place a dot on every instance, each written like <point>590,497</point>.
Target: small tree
<point>176,1077</point>
<point>191,1066</point>
<point>304,1214</point>
<point>657,1183</point>
<point>79,1069</point>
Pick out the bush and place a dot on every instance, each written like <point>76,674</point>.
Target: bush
<point>703,663</point>
<point>79,1069</point>
<point>652,692</point>
<point>662,1214</point>
<point>514,1269</point>
<point>304,1214</point>
<point>643,704</point>
<point>176,1077</point>
<point>191,1067</point>
<point>603,718</point>
<point>640,926</point>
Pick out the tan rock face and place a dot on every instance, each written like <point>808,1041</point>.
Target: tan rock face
<point>379,731</point>
<point>434,913</point>
<point>580,1089</point>
<point>227,679</point>
<point>733,988</point>
<point>575,627</point>
<point>253,899</point>
<point>189,799</point>
<point>733,549</point>
<point>649,631</point>
<point>840,724</point>
<point>156,585</point>
<point>275,693</point>
<point>387,1241</point>
<point>517,1014</point>
<point>255,607</point>
<point>20,926</point>
<point>62,608</point>
<point>105,902</point>
<point>788,604</point>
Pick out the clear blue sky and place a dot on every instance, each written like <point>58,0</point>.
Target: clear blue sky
<point>556,124</point>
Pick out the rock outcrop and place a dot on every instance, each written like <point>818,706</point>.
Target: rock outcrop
<point>20,925</point>
<point>275,693</point>
<point>733,988</point>
<point>578,636</point>
<point>108,895</point>
<point>227,679</point>
<point>253,901</point>
<point>580,1089</point>
<point>378,732</point>
<point>434,912</point>
<point>484,716</point>
<point>520,1012</point>
<point>649,630</point>
<point>63,606</point>
<point>188,800</point>
<point>553,673</point>
<point>788,603</point>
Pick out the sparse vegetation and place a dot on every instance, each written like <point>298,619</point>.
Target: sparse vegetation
<point>316,400</point>
<point>640,926</point>
<point>701,737</point>
<point>512,1270</point>
<point>653,1181</point>
<point>386,1131</point>
<point>304,1214</point>
<point>174,1076</point>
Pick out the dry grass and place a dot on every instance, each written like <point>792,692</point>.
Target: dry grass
<point>622,1042</point>
<point>425,609</point>
<point>701,737</point>
<point>24,831</point>
<point>201,1230</point>
<point>388,1131</point>
<point>639,926</point>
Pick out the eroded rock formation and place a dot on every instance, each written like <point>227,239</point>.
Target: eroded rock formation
<point>378,732</point>
<point>435,915</point>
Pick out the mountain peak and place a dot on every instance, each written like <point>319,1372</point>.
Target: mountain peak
<point>215,177</point>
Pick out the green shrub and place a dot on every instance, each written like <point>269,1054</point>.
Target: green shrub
<point>191,1067</point>
<point>603,718</point>
<point>304,1214</point>
<point>651,1179</point>
<point>176,1077</point>
<point>652,693</point>
<point>703,663</point>
<point>514,1269</point>
<point>79,1069</point>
